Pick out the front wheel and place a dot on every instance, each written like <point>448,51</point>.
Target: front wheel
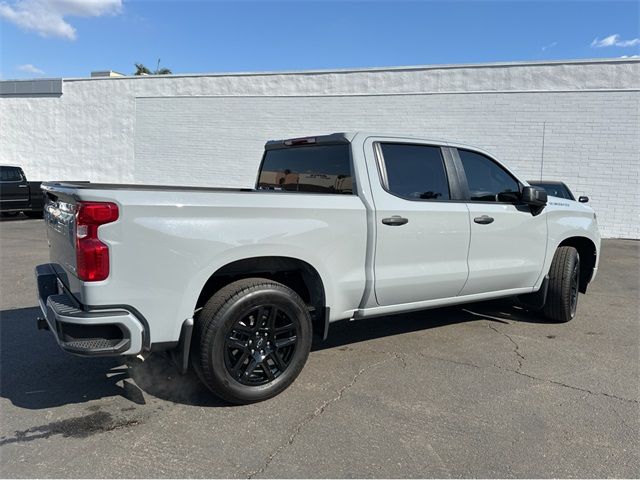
<point>564,278</point>
<point>251,340</point>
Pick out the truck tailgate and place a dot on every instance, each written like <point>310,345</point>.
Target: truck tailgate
<point>59,217</point>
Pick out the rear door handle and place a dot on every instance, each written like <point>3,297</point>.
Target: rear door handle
<point>22,186</point>
<point>483,220</point>
<point>395,221</point>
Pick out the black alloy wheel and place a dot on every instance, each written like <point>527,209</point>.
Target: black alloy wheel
<point>259,347</point>
<point>251,340</point>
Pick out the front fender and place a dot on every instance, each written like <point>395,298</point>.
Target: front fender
<point>568,219</point>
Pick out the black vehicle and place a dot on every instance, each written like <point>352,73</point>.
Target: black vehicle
<point>557,189</point>
<point>18,195</point>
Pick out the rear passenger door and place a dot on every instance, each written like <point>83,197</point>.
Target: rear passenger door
<point>422,227</point>
<point>14,190</point>
<point>508,243</point>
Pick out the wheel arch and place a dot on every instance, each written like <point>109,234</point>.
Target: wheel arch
<point>293,272</point>
<point>588,257</point>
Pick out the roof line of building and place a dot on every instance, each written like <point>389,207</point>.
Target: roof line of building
<point>393,94</point>
<point>371,69</point>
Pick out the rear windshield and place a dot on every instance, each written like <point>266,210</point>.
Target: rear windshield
<point>316,169</point>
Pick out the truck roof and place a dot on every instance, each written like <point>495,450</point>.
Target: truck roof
<point>347,137</point>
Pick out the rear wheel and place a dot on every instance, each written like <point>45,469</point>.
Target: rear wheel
<point>564,277</point>
<point>251,340</point>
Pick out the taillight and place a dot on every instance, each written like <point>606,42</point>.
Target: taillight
<point>92,256</point>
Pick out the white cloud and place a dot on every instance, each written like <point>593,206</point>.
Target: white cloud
<point>47,17</point>
<point>28,68</point>
<point>629,43</point>
<point>614,41</point>
<point>630,56</point>
<point>551,45</point>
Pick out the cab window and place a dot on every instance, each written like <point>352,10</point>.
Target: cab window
<point>415,172</point>
<point>10,174</point>
<point>488,181</point>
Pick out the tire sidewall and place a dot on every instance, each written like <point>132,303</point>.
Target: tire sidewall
<point>575,263</point>
<point>216,373</point>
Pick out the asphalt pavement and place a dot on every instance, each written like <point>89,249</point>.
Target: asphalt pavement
<point>485,390</point>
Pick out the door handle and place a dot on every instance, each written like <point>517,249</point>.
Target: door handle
<point>22,186</point>
<point>483,220</point>
<point>395,221</point>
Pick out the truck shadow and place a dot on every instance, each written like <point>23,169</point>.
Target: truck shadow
<point>12,218</point>
<point>16,218</point>
<point>37,374</point>
<point>500,311</point>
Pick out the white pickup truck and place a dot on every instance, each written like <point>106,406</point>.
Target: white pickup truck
<point>345,226</point>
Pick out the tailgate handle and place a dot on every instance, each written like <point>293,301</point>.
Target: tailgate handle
<point>395,221</point>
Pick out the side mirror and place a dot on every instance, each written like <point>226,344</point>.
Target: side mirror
<point>534,196</point>
<point>583,199</point>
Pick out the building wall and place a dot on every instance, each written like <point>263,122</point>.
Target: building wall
<point>573,121</point>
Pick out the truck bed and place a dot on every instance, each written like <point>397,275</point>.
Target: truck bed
<point>142,187</point>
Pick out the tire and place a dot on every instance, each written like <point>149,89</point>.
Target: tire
<point>239,322</point>
<point>562,295</point>
<point>33,214</point>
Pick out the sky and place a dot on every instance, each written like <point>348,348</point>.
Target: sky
<point>72,38</point>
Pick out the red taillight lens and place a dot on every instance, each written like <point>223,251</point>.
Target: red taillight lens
<point>92,256</point>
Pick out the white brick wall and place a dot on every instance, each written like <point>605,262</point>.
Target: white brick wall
<point>210,130</point>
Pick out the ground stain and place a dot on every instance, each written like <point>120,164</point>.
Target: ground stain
<point>77,427</point>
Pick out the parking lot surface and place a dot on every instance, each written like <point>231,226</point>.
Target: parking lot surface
<point>485,390</point>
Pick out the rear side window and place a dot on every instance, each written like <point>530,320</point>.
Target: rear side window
<point>488,181</point>
<point>415,172</point>
<point>315,169</point>
<point>10,174</point>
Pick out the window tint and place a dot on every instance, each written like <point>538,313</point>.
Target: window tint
<point>10,174</point>
<point>488,181</point>
<point>415,172</point>
<point>318,169</point>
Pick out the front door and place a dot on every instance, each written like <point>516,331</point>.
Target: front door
<point>508,242</point>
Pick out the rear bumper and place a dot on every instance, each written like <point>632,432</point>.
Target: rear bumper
<point>104,332</point>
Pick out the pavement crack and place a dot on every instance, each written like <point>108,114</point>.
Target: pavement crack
<point>516,347</point>
<point>402,357</point>
<point>319,411</point>
<point>566,385</point>
<point>455,362</point>
<point>532,377</point>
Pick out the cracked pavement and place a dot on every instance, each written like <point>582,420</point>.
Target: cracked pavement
<point>484,390</point>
